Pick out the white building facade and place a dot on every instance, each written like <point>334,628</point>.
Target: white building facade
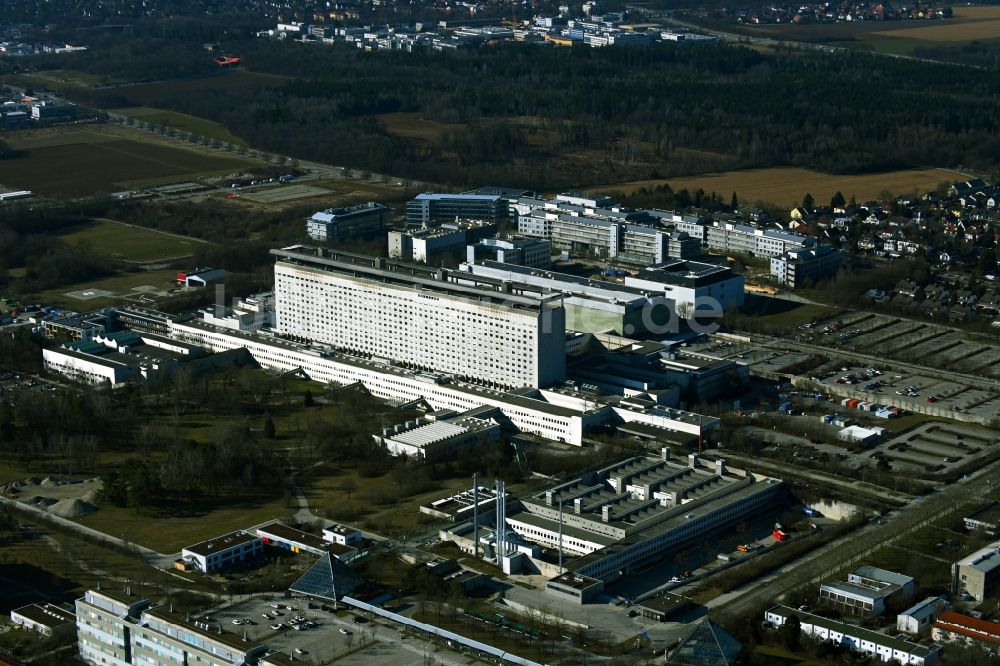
<point>382,311</point>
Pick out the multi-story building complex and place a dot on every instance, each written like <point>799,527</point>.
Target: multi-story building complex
<point>105,623</point>
<point>120,629</point>
<point>736,238</point>
<point>222,552</point>
<point>334,224</point>
<point>530,252</point>
<point>416,317</point>
<point>430,209</point>
<point>866,591</point>
<point>431,243</point>
<point>648,302</point>
<point>856,639</point>
<point>248,314</point>
<point>795,267</point>
<point>978,574</point>
<point>638,511</point>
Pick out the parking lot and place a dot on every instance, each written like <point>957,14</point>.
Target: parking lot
<point>333,637</point>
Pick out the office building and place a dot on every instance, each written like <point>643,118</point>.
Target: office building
<point>856,639</point>
<point>222,553</point>
<point>45,619</point>
<point>105,623</point>
<point>652,301</point>
<point>917,619</point>
<point>985,519</point>
<point>416,317</point>
<point>335,224</point>
<point>954,627</point>
<point>529,252</point>
<point>439,435</point>
<point>734,238</point>
<point>430,209</point>
<point>248,314</point>
<point>866,591</point>
<point>430,244</point>
<point>798,267</point>
<point>635,512</point>
<point>978,574</point>
<point>165,637</point>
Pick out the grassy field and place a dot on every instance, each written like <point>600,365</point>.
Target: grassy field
<point>183,121</point>
<point>122,241</point>
<point>116,286</point>
<point>78,163</point>
<point>899,37</point>
<point>151,94</point>
<point>786,186</point>
<point>413,126</point>
<point>188,523</point>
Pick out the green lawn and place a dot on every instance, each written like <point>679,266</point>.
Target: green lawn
<point>183,121</point>
<point>200,520</point>
<point>117,240</point>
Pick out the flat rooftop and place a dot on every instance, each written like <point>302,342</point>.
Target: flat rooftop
<point>364,268</point>
<point>900,644</point>
<point>860,591</point>
<point>984,560</point>
<point>208,635</point>
<point>575,580</point>
<point>667,603</point>
<point>989,514</point>
<point>292,535</point>
<point>221,543</point>
<point>48,615</point>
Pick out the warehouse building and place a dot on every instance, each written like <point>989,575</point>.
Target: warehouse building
<point>917,620</point>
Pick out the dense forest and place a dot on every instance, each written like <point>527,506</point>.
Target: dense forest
<point>536,116</point>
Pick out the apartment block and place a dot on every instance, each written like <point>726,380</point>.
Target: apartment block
<point>794,267</point>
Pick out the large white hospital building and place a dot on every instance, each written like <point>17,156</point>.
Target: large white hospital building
<point>383,309</point>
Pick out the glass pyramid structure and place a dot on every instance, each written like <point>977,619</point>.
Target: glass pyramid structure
<point>708,644</point>
<point>328,579</point>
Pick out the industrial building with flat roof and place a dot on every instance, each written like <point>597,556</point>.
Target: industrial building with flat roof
<point>439,435</point>
<point>637,511</point>
<point>857,639</point>
<point>414,316</point>
<point>45,619</point>
<point>334,224</point>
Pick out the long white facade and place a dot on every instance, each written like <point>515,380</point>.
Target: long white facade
<point>389,312</point>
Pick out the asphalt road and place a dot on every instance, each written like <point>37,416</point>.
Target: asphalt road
<point>855,547</point>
